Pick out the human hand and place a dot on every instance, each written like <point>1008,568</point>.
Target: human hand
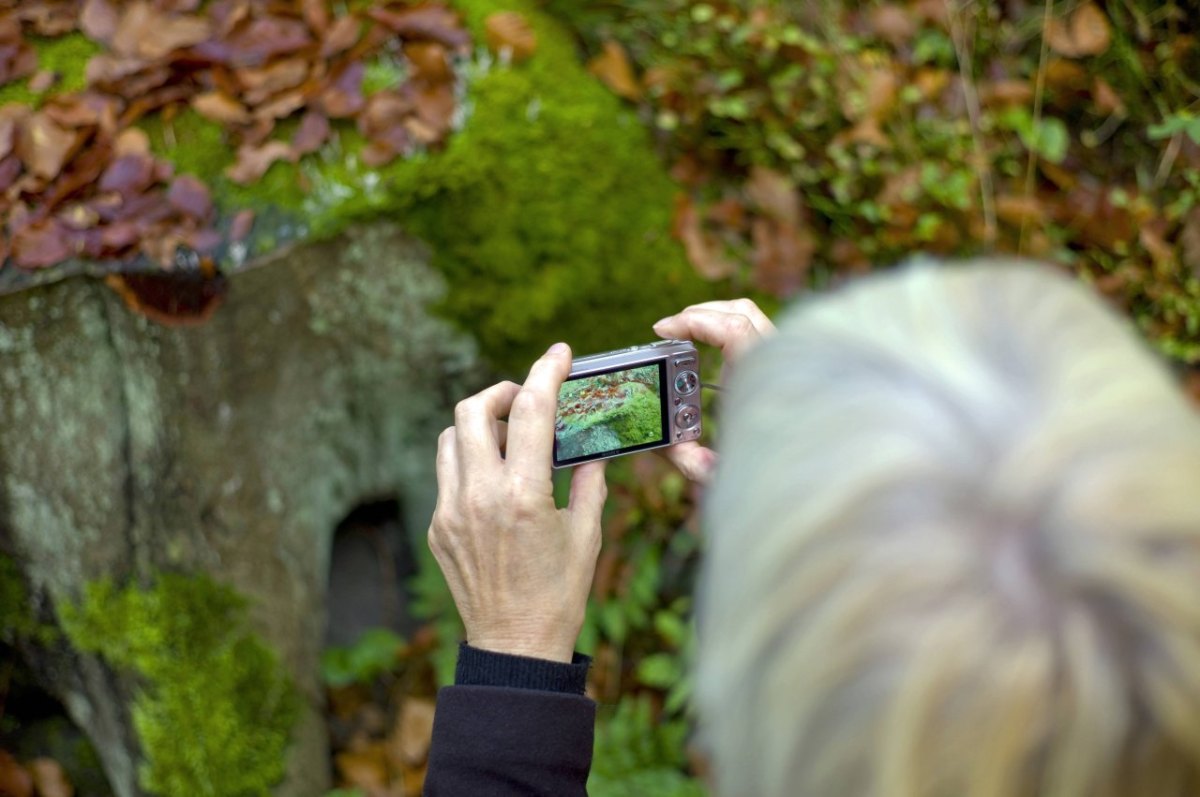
<point>734,327</point>
<point>519,569</point>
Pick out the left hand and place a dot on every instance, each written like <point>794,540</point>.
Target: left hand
<point>519,569</point>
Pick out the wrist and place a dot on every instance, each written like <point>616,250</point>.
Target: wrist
<point>532,649</point>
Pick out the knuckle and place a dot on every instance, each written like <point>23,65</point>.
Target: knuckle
<point>463,409</point>
<point>529,402</point>
<point>740,324</point>
<point>745,305</point>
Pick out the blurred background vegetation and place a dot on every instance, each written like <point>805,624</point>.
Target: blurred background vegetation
<point>604,163</point>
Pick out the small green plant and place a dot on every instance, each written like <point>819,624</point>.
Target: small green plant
<point>638,754</point>
<point>372,655</point>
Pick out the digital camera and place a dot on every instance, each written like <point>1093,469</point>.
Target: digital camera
<point>628,400</point>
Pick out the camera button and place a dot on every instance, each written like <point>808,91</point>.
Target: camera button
<point>686,383</point>
<point>688,417</point>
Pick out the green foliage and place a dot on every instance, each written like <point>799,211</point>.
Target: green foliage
<point>433,603</point>
<point>216,713</point>
<point>372,655</point>
<point>636,754</point>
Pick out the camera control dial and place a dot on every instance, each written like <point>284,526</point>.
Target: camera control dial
<point>687,417</point>
<point>686,383</point>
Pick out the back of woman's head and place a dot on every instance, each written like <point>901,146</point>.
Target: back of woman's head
<point>954,550</point>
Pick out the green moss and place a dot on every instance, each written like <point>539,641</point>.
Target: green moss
<point>16,618</point>
<point>215,716</point>
<point>66,56</point>
<point>640,418</point>
<point>549,212</point>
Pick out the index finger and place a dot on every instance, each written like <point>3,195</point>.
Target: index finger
<point>746,307</point>
<point>531,422</point>
<point>732,333</point>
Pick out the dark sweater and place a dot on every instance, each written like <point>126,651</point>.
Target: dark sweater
<point>512,725</point>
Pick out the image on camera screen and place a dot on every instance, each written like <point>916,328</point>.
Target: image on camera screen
<point>606,413</point>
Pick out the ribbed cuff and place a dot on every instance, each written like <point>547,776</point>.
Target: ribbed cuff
<point>484,668</point>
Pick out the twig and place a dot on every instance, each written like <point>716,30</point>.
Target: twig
<point>1038,94</point>
<point>971,95</point>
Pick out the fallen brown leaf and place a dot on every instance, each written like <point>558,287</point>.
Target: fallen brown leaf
<point>509,33</point>
<point>254,161</point>
<point>431,22</point>
<point>99,19</point>
<point>343,96</point>
<point>366,768</point>
<point>41,245</point>
<point>408,744</point>
<point>146,32</point>
<point>50,779</point>
<point>704,253</point>
<point>313,132</point>
<point>221,108</point>
<point>429,61</point>
<point>44,146</point>
<point>614,70</point>
<point>15,780</point>
<point>191,197</point>
<point>1086,32</point>
<point>259,84</point>
<point>341,36</point>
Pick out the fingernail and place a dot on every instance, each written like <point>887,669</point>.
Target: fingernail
<point>661,321</point>
<point>557,348</point>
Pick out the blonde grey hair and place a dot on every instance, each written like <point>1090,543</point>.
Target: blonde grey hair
<point>954,550</point>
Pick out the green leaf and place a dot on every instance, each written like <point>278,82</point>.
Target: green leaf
<point>660,670</point>
<point>671,627</point>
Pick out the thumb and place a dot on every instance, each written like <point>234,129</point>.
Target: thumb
<point>588,492</point>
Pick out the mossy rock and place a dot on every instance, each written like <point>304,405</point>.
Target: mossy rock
<point>549,211</point>
<point>215,716</point>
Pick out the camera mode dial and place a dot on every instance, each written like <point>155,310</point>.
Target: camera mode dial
<point>686,383</point>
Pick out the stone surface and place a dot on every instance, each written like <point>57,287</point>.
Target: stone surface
<point>232,448</point>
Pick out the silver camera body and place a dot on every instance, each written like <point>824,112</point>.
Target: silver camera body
<point>628,400</point>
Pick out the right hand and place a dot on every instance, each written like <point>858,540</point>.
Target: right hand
<point>734,327</point>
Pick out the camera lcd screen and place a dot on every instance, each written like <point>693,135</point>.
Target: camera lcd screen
<point>613,412</point>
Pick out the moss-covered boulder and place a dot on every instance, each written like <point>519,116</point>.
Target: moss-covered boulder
<point>130,451</point>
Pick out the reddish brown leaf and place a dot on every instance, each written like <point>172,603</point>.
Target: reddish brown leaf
<point>254,161</point>
<point>613,68</point>
<point>313,132</point>
<point>343,97</point>
<point>435,107</point>
<point>10,170</point>
<point>49,779</point>
<point>431,22</point>
<point>366,768</point>
<point>510,34</point>
<point>221,108</point>
<point>41,245</point>
<point>281,107</point>
<point>341,36</point>
<point>43,81</point>
<point>429,61</point>
<point>146,32</point>
<point>257,41</point>
<point>243,223</point>
<point>191,197</point>
<point>408,743</point>
<point>1086,32</point>
<point>129,174</point>
<point>99,19</point>
<point>8,136</point>
<point>892,23</point>
<point>379,153</point>
<point>131,141</point>
<point>259,84</point>
<point>316,15</point>
<point>44,146</point>
<point>705,254</point>
<point>15,780</point>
